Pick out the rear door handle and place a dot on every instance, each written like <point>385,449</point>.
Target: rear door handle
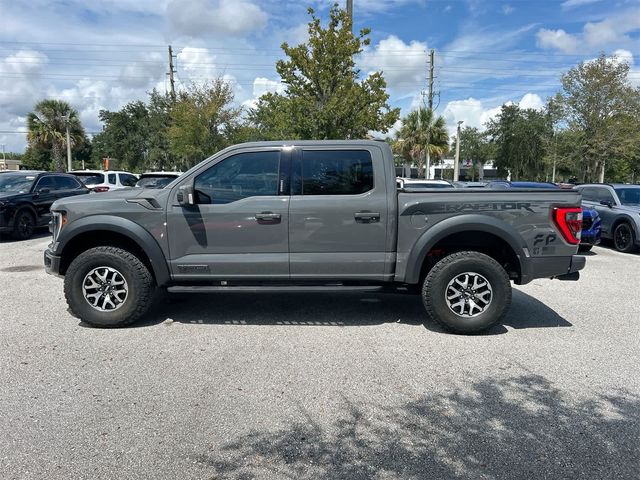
<point>366,217</point>
<point>268,217</point>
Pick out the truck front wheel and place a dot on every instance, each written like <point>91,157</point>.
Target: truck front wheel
<point>467,292</point>
<point>108,287</point>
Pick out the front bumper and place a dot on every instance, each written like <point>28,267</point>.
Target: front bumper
<point>562,268</point>
<point>51,263</point>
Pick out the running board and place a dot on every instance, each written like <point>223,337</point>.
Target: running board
<point>274,288</point>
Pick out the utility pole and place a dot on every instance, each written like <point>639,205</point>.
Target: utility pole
<point>456,165</point>
<point>602,172</point>
<point>430,103</point>
<point>431,65</point>
<point>350,12</point>
<point>171,72</point>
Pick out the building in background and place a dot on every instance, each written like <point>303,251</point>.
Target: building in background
<point>444,170</point>
<point>9,164</point>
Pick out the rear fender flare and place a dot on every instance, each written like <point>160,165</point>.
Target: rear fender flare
<point>462,223</point>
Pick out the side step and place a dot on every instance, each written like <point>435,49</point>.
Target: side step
<point>274,288</point>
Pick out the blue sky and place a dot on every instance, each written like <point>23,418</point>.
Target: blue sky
<point>101,54</point>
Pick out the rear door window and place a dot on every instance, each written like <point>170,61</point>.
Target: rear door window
<point>66,183</point>
<point>336,172</point>
<point>590,194</point>
<point>112,178</point>
<point>47,182</point>
<point>128,180</point>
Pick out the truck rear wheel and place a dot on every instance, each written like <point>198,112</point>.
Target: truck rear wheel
<point>108,287</point>
<point>467,292</point>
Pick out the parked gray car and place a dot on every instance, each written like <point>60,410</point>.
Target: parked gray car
<point>311,215</point>
<point>619,209</point>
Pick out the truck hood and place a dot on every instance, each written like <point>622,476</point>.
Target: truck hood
<point>97,200</point>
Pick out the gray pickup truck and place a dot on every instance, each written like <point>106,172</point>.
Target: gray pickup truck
<point>311,215</point>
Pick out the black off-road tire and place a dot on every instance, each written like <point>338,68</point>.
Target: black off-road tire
<point>140,283</point>
<point>435,286</point>
<point>630,246</point>
<point>24,224</point>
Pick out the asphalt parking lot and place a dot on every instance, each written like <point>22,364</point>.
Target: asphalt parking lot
<point>345,386</point>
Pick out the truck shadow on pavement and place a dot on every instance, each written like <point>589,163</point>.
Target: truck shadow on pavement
<point>328,309</point>
<point>521,427</point>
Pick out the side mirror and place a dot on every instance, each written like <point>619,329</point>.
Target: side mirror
<point>606,203</point>
<point>186,195</point>
<point>44,190</point>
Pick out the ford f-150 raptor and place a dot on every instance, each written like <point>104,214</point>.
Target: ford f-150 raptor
<point>311,215</point>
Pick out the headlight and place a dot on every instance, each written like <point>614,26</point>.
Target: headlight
<point>58,221</point>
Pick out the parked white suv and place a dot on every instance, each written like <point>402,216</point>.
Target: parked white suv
<point>104,181</point>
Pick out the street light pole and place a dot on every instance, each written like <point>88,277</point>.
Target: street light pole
<point>456,165</point>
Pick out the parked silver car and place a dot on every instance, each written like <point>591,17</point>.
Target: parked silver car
<point>619,209</point>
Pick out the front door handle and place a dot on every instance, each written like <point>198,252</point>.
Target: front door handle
<point>268,217</point>
<point>366,217</point>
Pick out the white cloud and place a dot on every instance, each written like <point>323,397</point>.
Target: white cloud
<point>20,81</point>
<point>613,31</point>
<point>474,113</point>
<point>262,85</point>
<point>577,3</point>
<point>207,18</point>
<point>402,64</point>
<point>197,63</point>
<point>557,40</point>
<point>531,100</point>
<point>143,71</point>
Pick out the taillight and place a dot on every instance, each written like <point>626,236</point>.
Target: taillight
<point>100,189</point>
<point>569,222</point>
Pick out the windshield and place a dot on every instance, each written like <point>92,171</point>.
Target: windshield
<point>90,178</point>
<point>629,196</point>
<point>16,183</point>
<point>155,181</point>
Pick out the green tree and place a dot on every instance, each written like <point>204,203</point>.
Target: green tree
<point>46,127</point>
<point>201,121</point>
<point>520,138</point>
<point>422,131</point>
<point>136,135</point>
<point>598,102</point>
<point>324,97</point>
<point>474,147</point>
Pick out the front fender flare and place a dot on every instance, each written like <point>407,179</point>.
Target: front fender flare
<point>462,223</point>
<point>124,227</point>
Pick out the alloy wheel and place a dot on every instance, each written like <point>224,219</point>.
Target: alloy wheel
<point>105,289</point>
<point>622,237</point>
<point>468,294</point>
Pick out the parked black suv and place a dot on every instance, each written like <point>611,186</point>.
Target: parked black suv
<point>26,196</point>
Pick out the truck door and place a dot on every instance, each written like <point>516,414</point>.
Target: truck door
<point>338,214</point>
<point>238,227</point>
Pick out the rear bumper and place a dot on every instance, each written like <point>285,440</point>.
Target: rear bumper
<point>51,263</point>
<point>563,268</point>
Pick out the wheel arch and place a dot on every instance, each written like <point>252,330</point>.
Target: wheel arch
<point>469,232</point>
<point>624,218</point>
<point>104,230</point>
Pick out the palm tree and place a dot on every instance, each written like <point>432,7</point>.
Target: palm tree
<point>47,129</point>
<point>422,132</point>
